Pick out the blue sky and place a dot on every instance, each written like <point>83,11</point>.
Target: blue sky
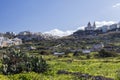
<point>46,15</point>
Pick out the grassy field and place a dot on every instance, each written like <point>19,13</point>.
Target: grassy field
<point>99,67</point>
<point>108,67</point>
<point>103,67</point>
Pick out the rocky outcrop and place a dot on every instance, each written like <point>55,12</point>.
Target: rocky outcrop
<point>84,76</point>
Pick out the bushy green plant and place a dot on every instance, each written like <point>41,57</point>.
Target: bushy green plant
<point>44,53</point>
<point>16,62</point>
<point>88,56</point>
<point>103,53</point>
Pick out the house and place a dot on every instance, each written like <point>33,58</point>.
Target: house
<point>6,42</point>
<point>16,41</point>
<point>105,28</point>
<point>1,34</point>
<point>10,33</point>
<point>31,48</point>
<point>58,53</point>
<point>112,48</point>
<point>3,41</point>
<point>97,47</point>
<point>118,25</point>
<point>3,44</point>
<point>109,48</point>
<point>114,26</point>
<point>86,51</point>
<point>25,35</point>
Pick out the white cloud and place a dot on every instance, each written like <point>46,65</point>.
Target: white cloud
<point>117,5</point>
<point>99,24</point>
<point>57,32</point>
<point>80,28</point>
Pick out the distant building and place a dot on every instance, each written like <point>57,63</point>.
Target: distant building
<point>86,51</point>
<point>3,41</point>
<point>10,33</point>
<point>104,28</point>
<point>98,47</point>
<point>118,25</point>
<point>6,42</point>
<point>113,26</point>
<point>58,53</point>
<point>31,48</point>
<point>90,27</point>
<point>109,48</point>
<point>16,41</point>
<point>1,34</point>
<point>25,33</point>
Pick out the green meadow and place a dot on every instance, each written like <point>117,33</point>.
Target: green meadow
<point>107,67</point>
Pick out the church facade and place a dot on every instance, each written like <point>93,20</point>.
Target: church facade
<point>90,27</point>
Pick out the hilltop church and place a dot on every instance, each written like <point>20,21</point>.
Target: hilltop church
<point>90,27</point>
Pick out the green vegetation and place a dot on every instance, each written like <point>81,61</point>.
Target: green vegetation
<point>35,59</point>
<point>15,61</point>
<point>22,63</point>
<point>103,53</point>
<point>107,67</point>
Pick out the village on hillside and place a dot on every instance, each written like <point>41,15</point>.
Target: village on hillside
<point>10,38</point>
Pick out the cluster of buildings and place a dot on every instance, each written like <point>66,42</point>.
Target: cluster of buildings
<point>27,35</point>
<point>94,48</point>
<point>104,28</point>
<point>6,42</point>
<point>10,38</point>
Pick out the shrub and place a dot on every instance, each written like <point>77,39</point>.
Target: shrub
<point>75,53</point>
<point>44,53</point>
<point>103,53</point>
<point>39,65</point>
<point>16,62</point>
<point>88,56</point>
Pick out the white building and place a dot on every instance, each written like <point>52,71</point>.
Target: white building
<point>114,26</point>
<point>59,53</point>
<point>104,28</point>
<point>5,42</point>
<point>97,47</point>
<point>118,25</point>
<point>16,41</point>
<point>86,51</point>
